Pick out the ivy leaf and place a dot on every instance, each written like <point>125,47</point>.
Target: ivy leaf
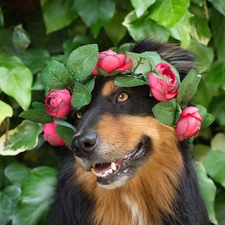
<point>198,25</point>
<point>15,78</point>
<point>218,5</point>
<point>24,137</point>
<point>215,167</point>
<point>81,95</point>
<point>172,11</point>
<point>5,111</point>
<point>216,74</point>
<point>82,61</point>
<point>98,11</point>
<point>141,6</point>
<point>217,22</point>
<point>1,18</point>
<point>20,38</point>
<point>208,190</point>
<point>165,112</point>
<point>34,206</point>
<point>56,76</point>
<point>123,81</point>
<point>36,115</point>
<point>188,86</point>
<point>66,133</point>
<point>114,28</point>
<point>144,26</point>
<point>207,118</point>
<point>61,12</point>
<point>9,198</point>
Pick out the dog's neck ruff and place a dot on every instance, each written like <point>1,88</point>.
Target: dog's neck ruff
<point>71,87</point>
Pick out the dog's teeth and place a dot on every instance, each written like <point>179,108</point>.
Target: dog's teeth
<point>94,165</point>
<point>113,166</point>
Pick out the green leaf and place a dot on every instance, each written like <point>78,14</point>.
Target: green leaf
<point>114,28</point>
<point>64,123</point>
<point>208,191</point>
<point>20,38</point>
<point>35,59</point>
<point>181,30</point>
<point>36,115</point>
<point>95,13</point>
<point>23,137</point>
<point>35,198</point>
<point>66,133</point>
<point>142,63</point>
<point>217,22</point>
<point>56,76</point>
<point>200,152</point>
<point>81,95</point>
<point>9,197</point>
<point>217,108</point>
<point>57,14</point>
<point>38,105</point>
<point>1,18</point>
<point>204,55</point>
<point>172,11</point>
<point>218,142</point>
<point>188,87</point>
<point>207,118</point>
<point>89,83</point>
<point>15,78</point>
<point>123,81</point>
<point>82,61</point>
<point>215,167</point>
<point>216,74</point>
<point>199,25</point>
<point>165,112</point>
<point>219,5</point>
<point>5,111</point>
<point>219,207</point>
<point>143,26</point>
<point>17,173</point>
<point>141,6</point>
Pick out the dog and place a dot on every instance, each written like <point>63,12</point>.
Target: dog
<point>128,169</point>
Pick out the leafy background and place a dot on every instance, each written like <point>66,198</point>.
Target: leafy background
<point>33,32</point>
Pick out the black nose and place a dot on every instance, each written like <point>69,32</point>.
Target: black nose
<point>85,142</point>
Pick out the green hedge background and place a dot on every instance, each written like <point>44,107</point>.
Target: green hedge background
<point>33,32</point>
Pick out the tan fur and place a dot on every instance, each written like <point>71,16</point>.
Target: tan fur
<point>152,189</point>
<point>109,88</point>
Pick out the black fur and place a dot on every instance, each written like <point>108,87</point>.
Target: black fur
<point>72,206</point>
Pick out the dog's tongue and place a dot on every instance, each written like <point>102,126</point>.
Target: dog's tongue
<point>101,168</point>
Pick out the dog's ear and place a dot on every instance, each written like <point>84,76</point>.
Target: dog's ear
<point>180,58</point>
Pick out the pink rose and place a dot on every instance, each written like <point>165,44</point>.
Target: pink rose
<point>51,136</point>
<point>188,124</point>
<point>58,103</point>
<point>110,61</point>
<point>163,90</point>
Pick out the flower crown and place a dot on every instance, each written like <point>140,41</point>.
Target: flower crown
<point>71,86</point>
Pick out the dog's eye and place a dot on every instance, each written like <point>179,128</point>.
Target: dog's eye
<point>121,97</point>
<point>78,115</point>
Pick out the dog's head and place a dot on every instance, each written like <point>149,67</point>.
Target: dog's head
<point>117,133</point>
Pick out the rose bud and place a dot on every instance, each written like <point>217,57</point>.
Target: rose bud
<point>58,103</point>
<point>51,136</point>
<point>188,124</point>
<point>110,61</point>
<point>163,90</point>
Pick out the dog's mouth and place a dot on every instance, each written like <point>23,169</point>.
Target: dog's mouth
<point>110,171</point>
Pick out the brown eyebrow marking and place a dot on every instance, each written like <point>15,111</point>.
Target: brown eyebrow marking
<point>109,88</point>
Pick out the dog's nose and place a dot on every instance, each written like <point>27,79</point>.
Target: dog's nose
<point>85,142</point>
